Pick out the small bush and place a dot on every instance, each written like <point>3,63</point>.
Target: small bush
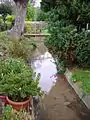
<point>28,27</point>
<point>10,113</point>
<point>17,80</point>
<point>10,18</point>
<point>9,25</point>
<point>15,48</point>
<point>42,16</point>
<point>20,49</point>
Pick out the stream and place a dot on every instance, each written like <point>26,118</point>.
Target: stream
<point>44,64</point>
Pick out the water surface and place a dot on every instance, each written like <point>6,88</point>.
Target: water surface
<point>44,64</point>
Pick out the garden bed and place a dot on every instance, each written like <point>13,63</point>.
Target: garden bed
<point>78,84</point>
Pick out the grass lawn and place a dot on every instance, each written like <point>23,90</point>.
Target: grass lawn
<point>83,77</point>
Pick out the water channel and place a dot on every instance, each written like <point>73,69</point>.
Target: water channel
<point>44,64</point>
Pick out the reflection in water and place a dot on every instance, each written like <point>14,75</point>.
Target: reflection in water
<point>44,65</point>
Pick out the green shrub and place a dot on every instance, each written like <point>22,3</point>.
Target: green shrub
<point>17,80</point>
<point>5,26</point>
<point>5,9</point>
<point>28,27</point>
<point>9,113</point>
<point>30,12</point>
<point>42,16</point>
<point>9,25</point>
<point>60,42</point>
<point>4,38</point>
<point>67,45</point>
<point>15,48</point>
<point>10,18</point>
<point>82,50</point>
<point>20,49</point>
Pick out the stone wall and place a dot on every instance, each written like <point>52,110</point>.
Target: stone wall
<point>35,27</point>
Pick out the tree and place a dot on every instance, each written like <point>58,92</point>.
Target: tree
<point>18,28</point>
<point>77,12</point>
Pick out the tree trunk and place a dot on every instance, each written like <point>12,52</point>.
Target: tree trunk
<point>18,27</point>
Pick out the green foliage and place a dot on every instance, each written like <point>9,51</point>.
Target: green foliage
<point>82,50</point>
<point>60,42</point>
<point>42,16</point>
<point>10,18</point>
<point>30,12</point>
<point>61,68</point>
<point>83,78</point>
<point>8,23</point>
<point>28,27</point>
<point>47,5</point>
<point>5,9</point>
<point>4,38</point>
<point>9,113</point>
<point>76,11</point>
<point>67,45</point>
<point>10,47</point>
<point>20,49</point>
<point>17,80</point>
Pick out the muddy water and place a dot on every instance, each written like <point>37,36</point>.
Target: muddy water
<point>44,64</point>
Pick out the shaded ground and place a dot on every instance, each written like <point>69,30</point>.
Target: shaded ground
<point>63,104</point>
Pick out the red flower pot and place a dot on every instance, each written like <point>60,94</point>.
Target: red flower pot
<point>3,98</point>
<point>18,105</point>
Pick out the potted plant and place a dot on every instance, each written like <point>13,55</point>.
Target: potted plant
<point>18,82</point>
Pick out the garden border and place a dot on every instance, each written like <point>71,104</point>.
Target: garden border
<point>84,97</point>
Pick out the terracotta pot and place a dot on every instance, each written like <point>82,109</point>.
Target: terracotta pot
<point>18,105</point>
<point>3,98</point>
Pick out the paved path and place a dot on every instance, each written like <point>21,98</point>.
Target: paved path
<point>62,104</point>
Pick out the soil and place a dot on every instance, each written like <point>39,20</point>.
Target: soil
<point>62,103</point>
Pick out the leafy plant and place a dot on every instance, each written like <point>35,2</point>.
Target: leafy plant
<point>10,18</point>
<point>67,42</point>
<point>20,49</point>
<point>5,9</point>
<point>82,50</point>
<point>10,114</point>
<point>41,16</point>
<point>30,12</point>
<point>83,77</point>
<point>61,68</point>
<point>61,42</point>
<point>67,45</point>
<point>17,80</point>
<point>15,48</point>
